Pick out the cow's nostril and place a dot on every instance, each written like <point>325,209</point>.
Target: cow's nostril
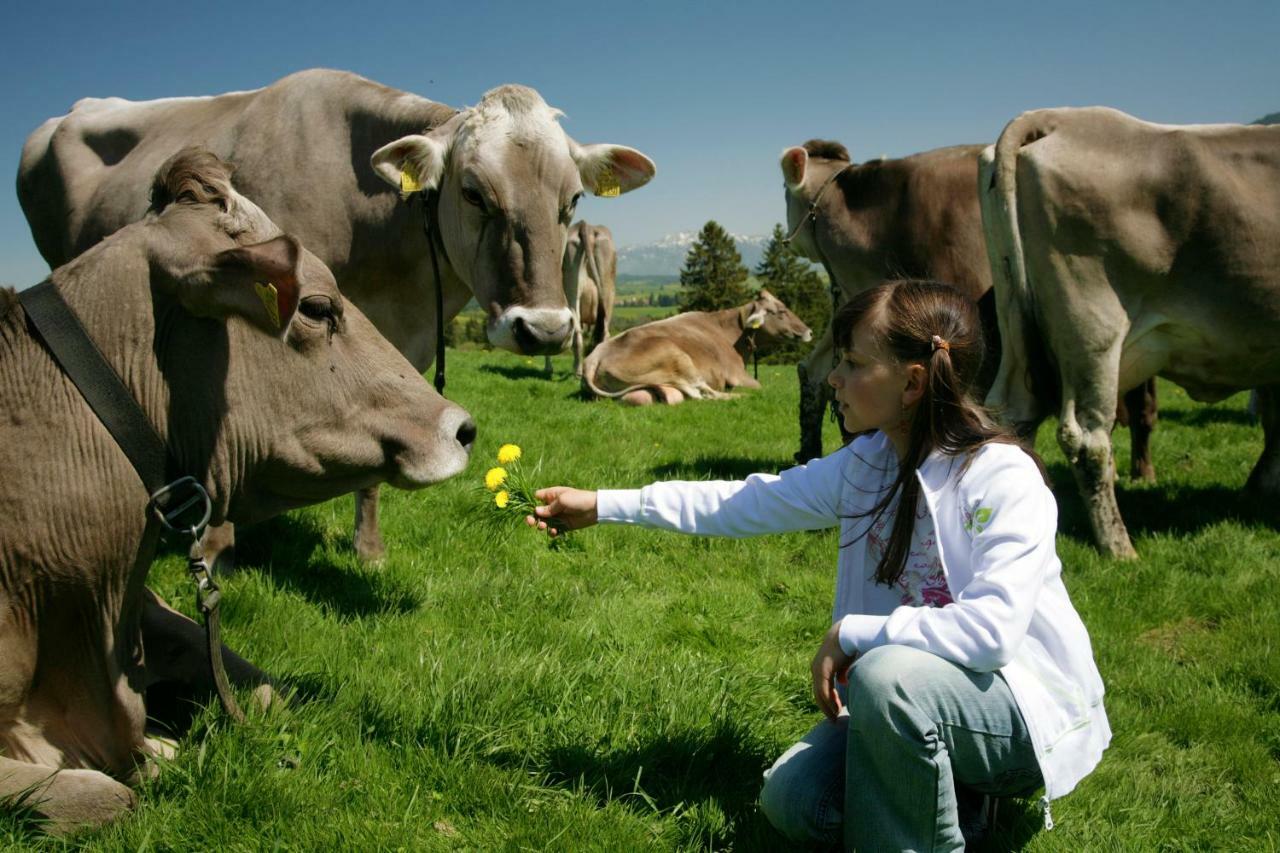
<point>467,434</point>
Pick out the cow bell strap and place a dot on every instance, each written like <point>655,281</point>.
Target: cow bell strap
<point>180,504</point>
<point>99,384</point>
<point>430,226</point>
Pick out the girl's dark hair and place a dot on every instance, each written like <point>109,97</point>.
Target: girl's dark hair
<point>932,324</point>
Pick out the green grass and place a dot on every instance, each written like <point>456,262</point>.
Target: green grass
<point>628,694</point>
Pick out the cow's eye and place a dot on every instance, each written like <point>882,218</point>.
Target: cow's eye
<point>472,197</point>
<point>322,309</point>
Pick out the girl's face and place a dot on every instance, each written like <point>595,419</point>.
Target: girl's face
<point>873,390</point>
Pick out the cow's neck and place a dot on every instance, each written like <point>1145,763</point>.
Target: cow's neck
<point>728,324</point>
<point>174,365</point>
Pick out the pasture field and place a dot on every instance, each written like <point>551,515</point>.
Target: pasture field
<point>626,693</point>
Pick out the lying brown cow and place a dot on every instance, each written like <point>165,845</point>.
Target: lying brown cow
<point>270,404</point>
<point>698,354</point>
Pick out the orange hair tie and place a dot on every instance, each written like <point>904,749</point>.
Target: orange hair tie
<point>940,344</point>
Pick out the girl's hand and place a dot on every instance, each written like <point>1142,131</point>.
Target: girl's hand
<point>830,664</point>
<point>571,509</point>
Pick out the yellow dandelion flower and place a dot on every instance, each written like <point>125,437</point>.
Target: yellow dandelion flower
<point>494,478</point>
<point>501,499</point>
<point>508,453</point>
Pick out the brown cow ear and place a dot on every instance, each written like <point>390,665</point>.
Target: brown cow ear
<point>410,164</point>
<point>794,162</point>
<point>610,170</point>
<point>257,282</point>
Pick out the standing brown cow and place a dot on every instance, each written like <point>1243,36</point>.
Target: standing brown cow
<point>912,217</point>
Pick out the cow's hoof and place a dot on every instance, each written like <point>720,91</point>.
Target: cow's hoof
<point>370,550</point>
<point>805,455</point>
<point>1143,474</point>
<point>78,799</point>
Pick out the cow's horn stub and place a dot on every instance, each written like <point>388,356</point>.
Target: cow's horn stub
<point>194,175</point>
<point>828,149</point>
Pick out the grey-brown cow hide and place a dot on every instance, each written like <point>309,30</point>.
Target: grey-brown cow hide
<point>269,412</point>
<point>324,153</point>
<point>697,354</point>
<point>1124,250</point>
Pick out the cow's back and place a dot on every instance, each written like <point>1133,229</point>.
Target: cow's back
<point>1182,218</point>
<point>912,217</point>
<point>300,147</point>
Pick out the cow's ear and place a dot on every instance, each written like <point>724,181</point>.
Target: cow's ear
<point>258,283</point>
<point>609,170</point>
<point>751,316</point>
<point>411,163</point>
<point>794,162</point>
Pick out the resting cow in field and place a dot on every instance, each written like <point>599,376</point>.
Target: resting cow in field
<point>317,151</point>
<point>1125,250</point>
<point>698,354</point>
<point>590,284</point>
<point>914,217</point>
<point>270,405</point>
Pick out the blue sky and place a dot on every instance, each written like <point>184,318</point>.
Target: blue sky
<point>711,92</point>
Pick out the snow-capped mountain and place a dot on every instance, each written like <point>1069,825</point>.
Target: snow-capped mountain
<point>665,257</point>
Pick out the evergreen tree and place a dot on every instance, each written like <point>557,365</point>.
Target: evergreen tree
<point>713,276</point>
<point>793,279</point>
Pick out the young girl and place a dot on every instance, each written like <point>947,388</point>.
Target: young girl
<point>955,656</point>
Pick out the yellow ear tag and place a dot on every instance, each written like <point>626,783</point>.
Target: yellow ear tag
<point>607,185</point>
<point>409,180</point>
<point>267,293</point>
<point>755,322</point>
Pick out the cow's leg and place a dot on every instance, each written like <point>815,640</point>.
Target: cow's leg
<point>1264,480</point>
<point>368,536</point>
<point>66,800</point>
<point>175,649</point>
<point>812,373</point>
<point>1084,434</point>
<point>219,544</point>
<point>176,658</point>
<point>1141,403</point>
<point>577,348</point>
<point>547,365</point>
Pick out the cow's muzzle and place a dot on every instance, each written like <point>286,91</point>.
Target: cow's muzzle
<point>532,331</point>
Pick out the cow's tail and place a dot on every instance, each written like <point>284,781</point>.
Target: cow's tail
<point>1024,386</point>
<point>590,389</point>
<point>593,269</point>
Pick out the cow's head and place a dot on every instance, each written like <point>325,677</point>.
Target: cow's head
<point>805,170</point>
<point>772,321</point>
<point>278,386</point>
<point>509,179</point>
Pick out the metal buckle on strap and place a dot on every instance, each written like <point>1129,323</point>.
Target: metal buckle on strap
<point>182,506</point>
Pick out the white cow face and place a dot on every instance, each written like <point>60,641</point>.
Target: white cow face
<point>509,180</point>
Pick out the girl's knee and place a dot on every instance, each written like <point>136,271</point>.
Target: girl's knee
<point>881,680</point>
<point>799,811</point>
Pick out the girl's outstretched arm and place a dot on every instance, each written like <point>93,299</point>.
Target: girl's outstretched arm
<point>572,509</point>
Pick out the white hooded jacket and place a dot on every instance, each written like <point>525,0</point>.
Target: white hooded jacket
<point>996,523</point>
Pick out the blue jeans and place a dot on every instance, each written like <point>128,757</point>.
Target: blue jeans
<point>884,775</point>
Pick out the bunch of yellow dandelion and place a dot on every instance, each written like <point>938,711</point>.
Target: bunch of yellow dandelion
<point>509,494</point>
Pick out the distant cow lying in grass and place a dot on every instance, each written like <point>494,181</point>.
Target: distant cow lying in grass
<point>271,395</point>
<point>698,354</point>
